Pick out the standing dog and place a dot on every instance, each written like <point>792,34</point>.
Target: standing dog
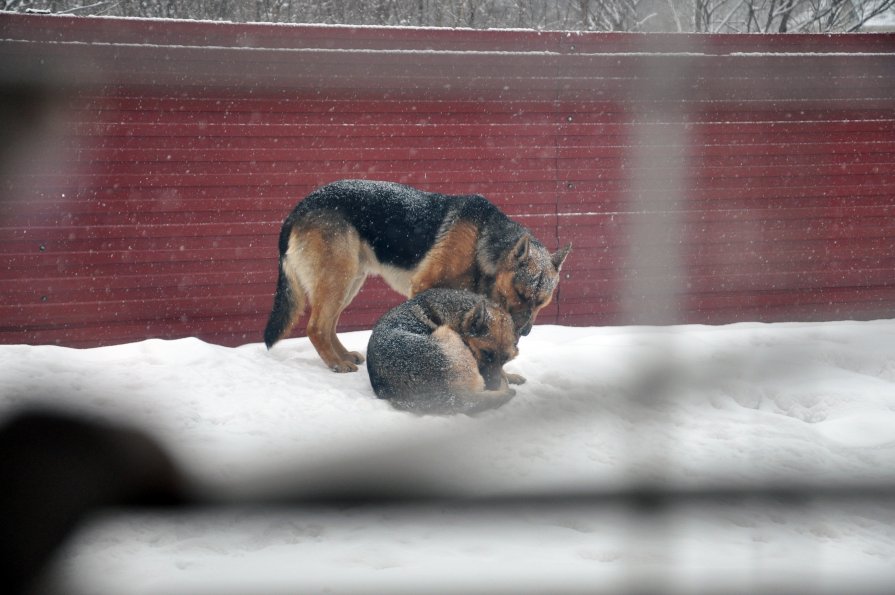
<point>442,352</point>
<point>344,231</point>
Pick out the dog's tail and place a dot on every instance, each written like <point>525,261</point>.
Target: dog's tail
<point>288,306</point>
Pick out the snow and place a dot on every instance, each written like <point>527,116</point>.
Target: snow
<point>744,405</point>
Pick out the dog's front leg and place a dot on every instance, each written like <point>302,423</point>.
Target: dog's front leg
<point>514,378</point>
<point>449,262</point>
<point>475,402</point>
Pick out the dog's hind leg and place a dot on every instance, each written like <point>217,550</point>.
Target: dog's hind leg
<point>466,385</point>
<point>353,289</point>
<point>334,277</point>
<point>326,307</point>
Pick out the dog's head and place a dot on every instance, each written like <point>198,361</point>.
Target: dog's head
<point>490,335</point>
<point>526,280</point>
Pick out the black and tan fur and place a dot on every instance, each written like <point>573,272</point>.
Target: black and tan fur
<point>442,352</point>
<point>344,231</point>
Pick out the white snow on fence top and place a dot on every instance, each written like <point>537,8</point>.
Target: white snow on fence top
<point>448,52</point>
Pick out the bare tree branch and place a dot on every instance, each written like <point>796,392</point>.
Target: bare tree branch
<point>711,16</point>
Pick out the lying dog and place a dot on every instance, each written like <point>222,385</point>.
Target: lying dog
<point>415,240</point>
<point>442,352</point>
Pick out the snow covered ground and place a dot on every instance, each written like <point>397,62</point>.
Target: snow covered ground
<point>604,408</point>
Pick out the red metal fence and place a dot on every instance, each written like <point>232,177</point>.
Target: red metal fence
<point>148,165</point>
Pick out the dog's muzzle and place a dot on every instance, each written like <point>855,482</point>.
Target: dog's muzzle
<point>493,376</point>
<point>522,321</point>
<point>525,328</point>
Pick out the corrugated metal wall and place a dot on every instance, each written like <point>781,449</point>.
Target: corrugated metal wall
<point>712,179</point>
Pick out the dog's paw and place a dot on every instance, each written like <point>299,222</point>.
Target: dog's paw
<point>515,378</point>
<point>355,357</point>
<point>343,367</point>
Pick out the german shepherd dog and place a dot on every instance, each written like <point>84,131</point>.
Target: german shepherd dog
<point>442,352</point>
<point>415,240</point>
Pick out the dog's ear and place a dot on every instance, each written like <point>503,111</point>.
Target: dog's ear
<point>522,249</point>
<point>429,317</point>
<point>477,322</point>
<point>560,255</point>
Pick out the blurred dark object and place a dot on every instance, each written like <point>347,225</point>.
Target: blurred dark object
<point>55,469</point>
<point>22,109</point>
